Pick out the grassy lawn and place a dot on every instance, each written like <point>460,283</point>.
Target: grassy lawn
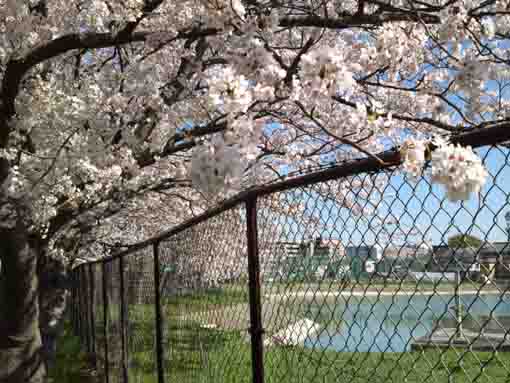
<point>365,285</point>
<point>197,354</point>
<point>226,295</point>
<point>71,361</point>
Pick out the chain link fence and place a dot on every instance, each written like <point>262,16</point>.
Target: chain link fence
<point>350,274</point>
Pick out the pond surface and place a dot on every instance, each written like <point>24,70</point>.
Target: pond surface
<point>391,323</point>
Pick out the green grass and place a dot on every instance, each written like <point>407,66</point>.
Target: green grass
<point>71,361</point>
<point>197,354</point>
<point>226,295</point>
<point>182,343</point>
<point>378,367</point>
<point>200,355</point>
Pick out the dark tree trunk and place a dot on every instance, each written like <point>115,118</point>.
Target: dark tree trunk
<point>20,339</point>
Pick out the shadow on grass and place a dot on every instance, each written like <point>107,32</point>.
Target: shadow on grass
<point>197,354</point>
<point>187,350</point>
<point>72,363</point>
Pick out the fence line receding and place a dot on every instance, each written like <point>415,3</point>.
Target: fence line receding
<point>352,274</point>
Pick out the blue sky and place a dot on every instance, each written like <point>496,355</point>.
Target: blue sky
<point>482,216</point>
<point>427,211</point>
<point>417,206</point>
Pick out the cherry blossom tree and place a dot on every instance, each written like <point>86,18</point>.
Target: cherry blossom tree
<point>119,119</point>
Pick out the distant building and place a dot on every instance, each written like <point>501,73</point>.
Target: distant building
<point>445,259</point>
<point>495,261</point>
<point>302,261</point>
<point>398,261</point>
<point>276,257</point>
<point>491,260</point>
<point>362,259</point>
<point>320,259</point>
<point>314,261</point>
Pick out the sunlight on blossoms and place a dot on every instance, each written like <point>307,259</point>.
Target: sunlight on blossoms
<point>230,91</point>
<point>458,169</point>
<point>216,167</point>
<point>414,158</point>
<point>324,71</point>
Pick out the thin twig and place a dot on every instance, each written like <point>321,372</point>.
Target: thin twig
<point>341,139</point>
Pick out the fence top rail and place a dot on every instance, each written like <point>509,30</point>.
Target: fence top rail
<point>496,134</point>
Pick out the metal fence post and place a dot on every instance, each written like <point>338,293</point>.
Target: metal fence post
<point>75,303</point>
<point>123,322</point>
<point>92,294</point>
<point>256,329</point>
<point>72,303</point>
<point>105,322</point>
<point>159,326</point>
<point>78,301</point>
<point>89,315</point>
<point>80,305</point>
<point>86,319</point>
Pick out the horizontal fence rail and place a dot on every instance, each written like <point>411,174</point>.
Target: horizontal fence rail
<point>354,273</point>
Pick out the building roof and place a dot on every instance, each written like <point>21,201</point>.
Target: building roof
<point>454,259</point>
<point>489,252</point>
<point>500,247</point>
<point>405,251</point>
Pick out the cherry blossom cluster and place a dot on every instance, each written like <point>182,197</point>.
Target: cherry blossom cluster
<point>457,168</point>
<point>325,72</point>
<point>216,166</point>
<point>230,91</point>
<point>414,157</point>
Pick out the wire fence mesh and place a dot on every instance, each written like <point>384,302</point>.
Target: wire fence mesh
<point>205,298</point>
<point>98,313</point>
<point>141,322</point>
<point>367,276</point>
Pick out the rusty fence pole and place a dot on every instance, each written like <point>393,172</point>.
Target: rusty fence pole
<point>92,294</point>
<point>70,305</point>
<point>86,308</point>
<point>159,324</point>
<point>105,322</point>
<point>82,306</point>
<point>73,307</point>
<point>89,310</point>
<point>83,309</point>
<point>76,317</point>
<point>123,323</point>
<point>79,302</point>
<point>256,328</point>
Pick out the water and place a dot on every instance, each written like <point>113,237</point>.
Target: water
<point>390,323</point>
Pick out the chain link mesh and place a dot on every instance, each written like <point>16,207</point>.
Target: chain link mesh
<point>141,322</point>
<point>369,277</point>
<point>205,299</point>
<point>99,338</point>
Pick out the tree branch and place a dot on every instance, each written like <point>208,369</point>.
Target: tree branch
<point>17,68</point>
<point>356,20</point>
